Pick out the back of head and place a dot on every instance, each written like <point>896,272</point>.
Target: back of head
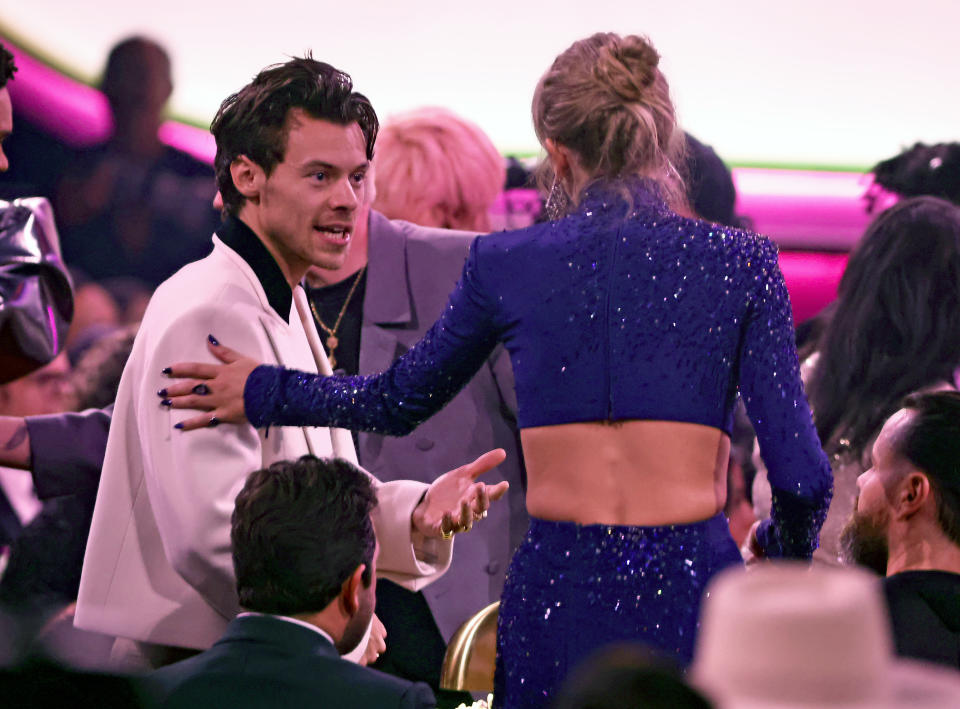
<point>627,676</point>
<point>435,168</point>
<point>253,121</point>
<point>97,374</point>
<point>896,326</point>
<point>931,443</point>
<point>710,188</point>
<point>299,530</point>
<point>606,99</point>
<point>7,67</point>
<point>922,170</point>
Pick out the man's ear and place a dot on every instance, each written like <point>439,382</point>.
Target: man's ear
<point>912,494</point>
<point>350,591</point>
<point>248,177</point>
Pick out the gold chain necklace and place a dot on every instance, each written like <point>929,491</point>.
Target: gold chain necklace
<point>332,341</point>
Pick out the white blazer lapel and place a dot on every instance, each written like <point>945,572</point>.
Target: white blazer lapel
<point>342,440</point>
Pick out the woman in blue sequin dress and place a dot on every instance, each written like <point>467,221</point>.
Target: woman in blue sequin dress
<point>631,330</point>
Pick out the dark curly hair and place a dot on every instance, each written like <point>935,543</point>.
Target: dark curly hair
<point>299,530</point>
<point>253,121</point>
<point>7,67</point>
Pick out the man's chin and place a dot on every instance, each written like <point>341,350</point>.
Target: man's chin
<point>330,260</point>
<point>864,542</point>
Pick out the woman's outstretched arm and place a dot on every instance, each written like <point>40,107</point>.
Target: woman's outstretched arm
<point>416,386</point>
<point>770,384</point>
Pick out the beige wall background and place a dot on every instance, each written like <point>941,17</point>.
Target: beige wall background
<point>821,82</point>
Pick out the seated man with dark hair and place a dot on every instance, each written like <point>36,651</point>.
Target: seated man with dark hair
<point>906,524</point>
<point>305,554</point>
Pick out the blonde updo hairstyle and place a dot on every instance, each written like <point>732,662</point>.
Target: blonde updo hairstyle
<point>606,99</point>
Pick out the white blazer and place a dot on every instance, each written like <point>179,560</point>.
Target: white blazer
<point>158,567</point>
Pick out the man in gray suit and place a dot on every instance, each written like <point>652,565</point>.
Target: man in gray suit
<point>392,286</point>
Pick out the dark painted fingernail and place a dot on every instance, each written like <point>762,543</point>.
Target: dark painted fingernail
<point>166,370</point>
<point>213,340</point>
<point>214,421</point>
<point>162,393</point>
<point>166,402</point>
<point>178,425</point>
<point>201,389</point>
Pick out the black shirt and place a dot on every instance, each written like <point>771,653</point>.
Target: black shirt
<point>326,303</point>
<point>241,238</point>
<point>925,612</point>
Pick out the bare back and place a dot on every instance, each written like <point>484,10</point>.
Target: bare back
<point>634,472</point>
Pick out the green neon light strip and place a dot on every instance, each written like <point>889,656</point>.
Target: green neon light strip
<point>54,63</point>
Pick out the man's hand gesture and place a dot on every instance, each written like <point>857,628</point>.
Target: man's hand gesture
<point>456,500</point>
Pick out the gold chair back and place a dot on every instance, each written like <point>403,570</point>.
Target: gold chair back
<point>471,655</point>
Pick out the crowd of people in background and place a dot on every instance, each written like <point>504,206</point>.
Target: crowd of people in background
<point>880,366</point>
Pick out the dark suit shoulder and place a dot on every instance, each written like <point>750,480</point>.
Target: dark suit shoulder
<point>374,688</point>
<point>258,677</point>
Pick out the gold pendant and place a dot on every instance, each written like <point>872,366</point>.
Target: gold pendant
<point>333,361</point>
<point>332,343</point>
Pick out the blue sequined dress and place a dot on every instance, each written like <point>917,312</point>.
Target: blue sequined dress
<point>622,310</point>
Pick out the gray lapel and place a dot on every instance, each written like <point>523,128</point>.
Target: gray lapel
<point>387,300</point>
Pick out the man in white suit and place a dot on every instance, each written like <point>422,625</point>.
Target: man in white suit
<point>293,148</point>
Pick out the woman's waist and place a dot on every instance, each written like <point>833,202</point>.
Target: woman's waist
<point>635,473</point>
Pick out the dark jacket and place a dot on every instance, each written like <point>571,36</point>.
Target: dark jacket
<point>267,662</point>
<point>925,612</point>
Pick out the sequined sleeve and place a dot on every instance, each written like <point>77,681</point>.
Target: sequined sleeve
<point>415,387</point>
<point>772,391</point>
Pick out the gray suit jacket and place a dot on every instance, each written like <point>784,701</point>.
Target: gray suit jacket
<point>411,271</point>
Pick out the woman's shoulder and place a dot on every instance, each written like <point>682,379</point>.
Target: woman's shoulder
<point>510,241</point>
<point>712,242</point>
<point>735,237</point>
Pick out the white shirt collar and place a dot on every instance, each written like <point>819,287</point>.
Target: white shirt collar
<point>288,619</point>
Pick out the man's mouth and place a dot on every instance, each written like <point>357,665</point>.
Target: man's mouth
<point>335,234</point>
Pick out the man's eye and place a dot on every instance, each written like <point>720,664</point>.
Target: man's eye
<point>320,176</point>
<point>359,177</point>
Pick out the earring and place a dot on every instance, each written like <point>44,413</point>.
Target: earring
<point>558,204</point>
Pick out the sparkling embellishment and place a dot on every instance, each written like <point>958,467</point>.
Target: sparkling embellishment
<point>672,323</point>
<point>573,588</point>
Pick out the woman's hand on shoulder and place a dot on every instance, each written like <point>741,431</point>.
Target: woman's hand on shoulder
<point>213,388</point>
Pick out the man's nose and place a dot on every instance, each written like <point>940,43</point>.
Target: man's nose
<point>346,195</point>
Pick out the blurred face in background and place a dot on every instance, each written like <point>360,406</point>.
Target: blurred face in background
<point>6,125</point>
<point>45,391</point>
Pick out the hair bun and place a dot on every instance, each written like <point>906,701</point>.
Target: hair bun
<point>628,67</point>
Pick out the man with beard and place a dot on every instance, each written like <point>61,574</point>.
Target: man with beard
<point>305,555</point>
<point>906,524</point>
